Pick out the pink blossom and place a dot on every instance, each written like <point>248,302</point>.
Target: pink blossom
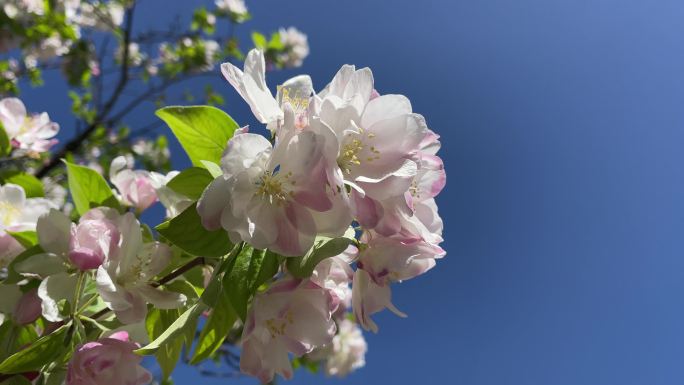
<point>28,308</point>
<point>293,316</point>
<point>107,361</point>
<point>32,133</point>
<point>268,195</point>
<point>136,187</point>
<point>383,261</point>
<point>335,275</point>
<point>92,241</point>
<point>347,351</point>
<point>9,248</point>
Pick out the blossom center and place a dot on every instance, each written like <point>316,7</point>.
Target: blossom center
<point>277,326</point>
<point>272,187</point>
<point>8,213</point>
<point>356,150</point>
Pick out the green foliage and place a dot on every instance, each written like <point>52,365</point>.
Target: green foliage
<point>174,330</point>
<point>203,131</point>
<point>249,270</point>
<point>187,232</point>
<point>27,239</point>
<point>216,328</point>
<point>191,182</point>
<point>43,351</point>
<point>169,353</point>
<point>259,40</point>
<point>324,247</point>
<point>31,185</point>
<point>5,145</point>
<point>89,189</point>
<point>14,337</point>
<point>213,168</point>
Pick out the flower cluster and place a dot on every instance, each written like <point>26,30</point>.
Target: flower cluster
<point>300,235</point>
<point>346,155</point>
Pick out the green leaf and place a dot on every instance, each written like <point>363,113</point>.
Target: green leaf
<point>31,185</point>
<point>203,131</point>
<point>250,269</point>
<point>176,329</point>
<point>89,189</point>
<point>259,40</point>
<point>191,182</point>
<point>187,232</point>
<point>324,247</point>
<point>213,168</point>
<point>27,239</point>
<point>43,351</point>
<point>5,144</point>
<point>169,353</point>
<point>216,329</point>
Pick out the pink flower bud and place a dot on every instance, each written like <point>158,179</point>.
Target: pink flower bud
<point>136,187</point>
<point>92,241</point>
<point>28,308</point>
<point>109,361</point>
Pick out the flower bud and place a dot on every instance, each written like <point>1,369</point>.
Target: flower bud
<point>28,308</point>
<point>108,361</point>
<point>92,241</point>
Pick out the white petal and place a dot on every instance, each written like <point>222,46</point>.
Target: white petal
<point>54,232</point>
<point>13,195</point>
<point>53,289</point>
<point>385,107</point>
<point>41,265</point>
<point>251,85</point>
<point>244,151</point>
<point>32,210</point>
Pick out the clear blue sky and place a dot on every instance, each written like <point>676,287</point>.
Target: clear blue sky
<point>562,128</point>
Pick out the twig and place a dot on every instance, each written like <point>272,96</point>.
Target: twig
<point>75,143</point>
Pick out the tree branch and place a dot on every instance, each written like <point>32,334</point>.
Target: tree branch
<point>76,142</point>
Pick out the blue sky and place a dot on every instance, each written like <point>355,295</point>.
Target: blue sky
<point>562,126</point>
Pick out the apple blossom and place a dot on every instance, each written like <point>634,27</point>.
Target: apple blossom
<point>296,47</point>
<point>347,352</point>
<point>382,261</point>
<point>32,133</point>
<point>335,275</point>
<point>123,280</point>
<point>174,202</point>
<point>136,187</point>
<point>99,15</point>
<point>251,85</point>
<point>236,7</point>
<point>17,213</point>
<point>267,194</point>
<point>110,361</point>
<point>18,8</point>
<point>293,316</point>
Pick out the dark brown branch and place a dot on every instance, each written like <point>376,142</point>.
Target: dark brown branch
<point>76,142</point>
<point>199,261</point>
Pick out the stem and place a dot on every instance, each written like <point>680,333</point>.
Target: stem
<point>79,291</point>
<point>87,303</point>
<point>179,271</point>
